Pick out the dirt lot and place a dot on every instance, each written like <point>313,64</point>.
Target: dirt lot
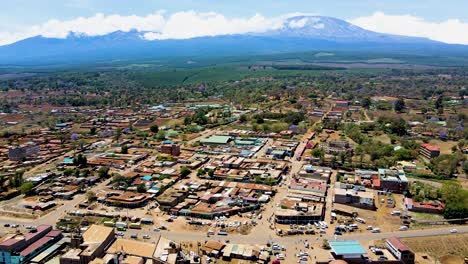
<point>445,146</point>
<point>448,249</point>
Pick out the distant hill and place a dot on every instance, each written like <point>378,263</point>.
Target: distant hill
<point>298,34</point>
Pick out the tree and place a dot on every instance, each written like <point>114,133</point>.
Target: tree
<point>399,105</point>
<point>80,161</point>
<point>17,179</point>
<point>103,172</point>
<point>118,134</point>
<point>91,196</point>
<point>366,103</point>
<point>154,129</point>
<point>211,173</point>
<point>317,153</point>
<point>161,135</point>
<point>201,172</point>
<point>141,188</point>
<point>184,172</point>
<point>439,103</point>
<point>124,149</point>
<point>92,131</point>
<point>26,188</point>
<point>243,118</point>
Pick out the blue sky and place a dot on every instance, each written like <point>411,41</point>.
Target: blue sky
<point>20,16</point>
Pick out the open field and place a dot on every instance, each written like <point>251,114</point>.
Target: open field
<point>448,249</point>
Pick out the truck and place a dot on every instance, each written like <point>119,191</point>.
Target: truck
<point>135,225</point>
<point>121,224</point>
<point>109,223</point>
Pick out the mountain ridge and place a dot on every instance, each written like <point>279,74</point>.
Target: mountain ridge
<point>298,34</point>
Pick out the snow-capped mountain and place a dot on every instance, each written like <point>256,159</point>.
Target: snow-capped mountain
<point>297,34</point>
<point>329,28</point>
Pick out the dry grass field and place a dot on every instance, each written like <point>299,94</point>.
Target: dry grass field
<point>447,249</point>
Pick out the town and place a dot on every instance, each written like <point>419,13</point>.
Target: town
<point>302,175</point>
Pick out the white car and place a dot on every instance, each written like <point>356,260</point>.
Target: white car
<point>146,237</point>
<point>453,231</point>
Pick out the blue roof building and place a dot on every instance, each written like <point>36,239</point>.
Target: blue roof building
<point>348,249</point>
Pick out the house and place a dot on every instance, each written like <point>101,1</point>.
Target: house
<point>354,198</point>
<point>21,248</point>
<point>391,180</point>
<point>429,151</point>
<point>434,207</point>
<point>171,149</point>
<point>90,245</point>
<point>22,152</point>
<point>402,252</point>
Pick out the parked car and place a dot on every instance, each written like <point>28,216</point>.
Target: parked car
<point>222,233</point>
<point>453,231</point>
<point>146,237</point>
<point>360,220</point>
<point>120,233</point>
<point>403,228</point>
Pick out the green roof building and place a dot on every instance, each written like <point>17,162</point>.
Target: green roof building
<point>216,140</point>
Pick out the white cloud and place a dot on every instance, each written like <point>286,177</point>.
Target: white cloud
<point>178,25</point>
<point>190,24</point>
<point>449,31</point>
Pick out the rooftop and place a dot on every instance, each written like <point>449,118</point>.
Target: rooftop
<point>395,242</point>
<point>132,247</point>
<point>216,139</point>
<point>347,247</point>
<point>97,233</point>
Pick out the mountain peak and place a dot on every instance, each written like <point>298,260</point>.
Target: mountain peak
<point>323,27</point>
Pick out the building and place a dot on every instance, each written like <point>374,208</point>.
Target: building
<point>342,103</point>
<point>354,198</point>
<point>89,246</point>
<point>349,250</point>
<point>429,151</point>
<point>129,199</point>
<point>291,211</point>
<point>21,248</point>
<point>162,251</point>
<point>433,207</point>
<point>337,146</point>
<point>315,172</point>
<point>22,152</point>
<point>216,140</point>
<point>391,180</point>
<point>402,252</point>
<point>171,149</point>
